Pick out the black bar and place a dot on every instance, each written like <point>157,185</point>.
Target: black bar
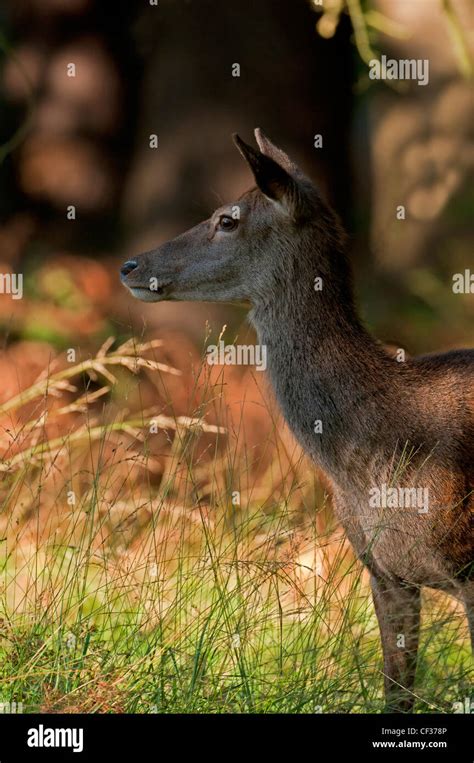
<point>157,737</point>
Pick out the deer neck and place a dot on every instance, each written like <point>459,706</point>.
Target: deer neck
<point>336,386</point>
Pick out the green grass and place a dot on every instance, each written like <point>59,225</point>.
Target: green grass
<point>216,636</point>
<point>142,596</point>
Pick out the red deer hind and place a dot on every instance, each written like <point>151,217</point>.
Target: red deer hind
<point>396,439</point>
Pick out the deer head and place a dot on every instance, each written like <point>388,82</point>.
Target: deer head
<point>246,247</point>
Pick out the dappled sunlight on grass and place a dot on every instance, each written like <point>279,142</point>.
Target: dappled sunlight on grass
<point>183,561</point>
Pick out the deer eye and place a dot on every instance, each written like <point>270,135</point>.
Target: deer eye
<point>226,223</point>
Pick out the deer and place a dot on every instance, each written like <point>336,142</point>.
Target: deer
<point>386,430</point>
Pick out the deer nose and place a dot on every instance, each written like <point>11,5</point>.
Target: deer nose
<point>128,266</point>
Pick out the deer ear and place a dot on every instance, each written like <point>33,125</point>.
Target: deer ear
<point>269,149</point>
<point>274,180</point>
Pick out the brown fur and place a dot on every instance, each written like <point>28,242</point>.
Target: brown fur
<point>408,425</point>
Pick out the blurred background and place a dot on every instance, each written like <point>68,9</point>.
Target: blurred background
<point>114,137</point>
<point>166,69</point>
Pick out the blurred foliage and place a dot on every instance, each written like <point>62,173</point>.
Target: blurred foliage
<point>75,142</point>
<point>368,23</point>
